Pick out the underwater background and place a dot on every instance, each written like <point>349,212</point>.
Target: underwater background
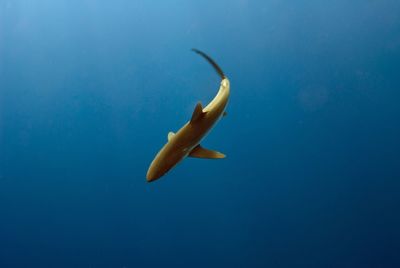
<point>90,89</point>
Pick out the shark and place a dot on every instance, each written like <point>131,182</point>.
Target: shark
<point>186,141</point>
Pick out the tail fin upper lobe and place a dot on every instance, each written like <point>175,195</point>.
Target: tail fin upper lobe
<point>211,61</point>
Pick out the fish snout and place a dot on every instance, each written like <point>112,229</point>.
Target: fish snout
<point>153,174</point>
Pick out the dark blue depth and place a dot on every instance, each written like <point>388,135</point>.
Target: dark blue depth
<point>90,89</point>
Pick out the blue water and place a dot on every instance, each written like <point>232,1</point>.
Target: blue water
<point>90,89</point>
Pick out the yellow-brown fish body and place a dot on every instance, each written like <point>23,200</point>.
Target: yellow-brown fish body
<point>186,142</point>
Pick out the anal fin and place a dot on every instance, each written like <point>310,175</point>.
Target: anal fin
<point>200,152</point>
<point>170,135</point>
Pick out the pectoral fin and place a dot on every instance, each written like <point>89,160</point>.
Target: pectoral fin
<point>197,113</point>
<point>200,152</point>
<point>170,135</point>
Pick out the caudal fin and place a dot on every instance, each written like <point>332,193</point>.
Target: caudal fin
<point>211,61</point>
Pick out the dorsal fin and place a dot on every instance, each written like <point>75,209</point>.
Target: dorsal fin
<point>200,152</point>
<point>170,135</point>
<point>197,113</point>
